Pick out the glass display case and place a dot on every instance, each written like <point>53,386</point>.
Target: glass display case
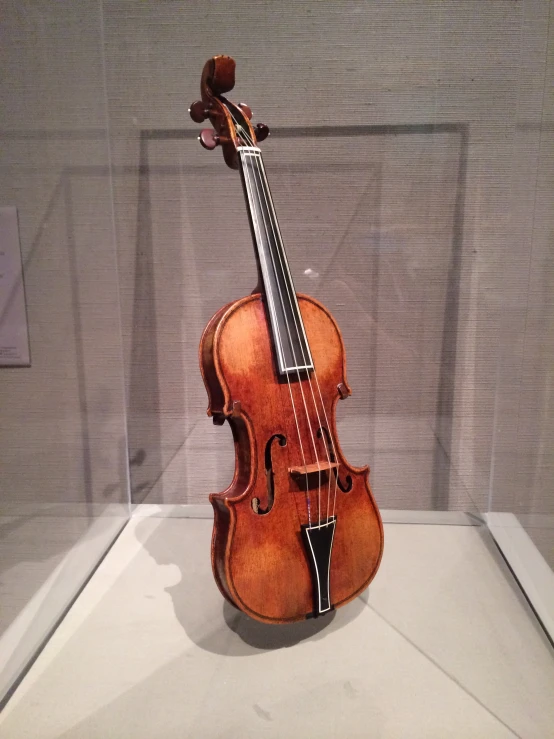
<point>411,163</point>
<point>63,458</point>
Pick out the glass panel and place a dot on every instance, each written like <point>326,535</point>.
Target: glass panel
<point>521,496</point>
<point>372,220</point>
<point>534,503</point>
<point>411,167</point>
<point>63,479</point>
<point>403,193</point>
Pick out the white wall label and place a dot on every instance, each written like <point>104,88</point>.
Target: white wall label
<point>14,336</point>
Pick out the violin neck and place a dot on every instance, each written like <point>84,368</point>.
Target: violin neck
<point>287,328</point>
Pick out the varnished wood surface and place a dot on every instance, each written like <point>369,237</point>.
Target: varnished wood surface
<point>259,561</point>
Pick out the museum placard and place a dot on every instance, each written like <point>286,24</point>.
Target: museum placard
<point>14,336</point>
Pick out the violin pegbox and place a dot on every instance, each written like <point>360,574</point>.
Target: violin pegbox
<point>231,122</point>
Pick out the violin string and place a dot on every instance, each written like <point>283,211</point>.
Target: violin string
<point>256,157</point>
<point>331,435</point>
<point>257,228</point>
<point>334,453</point>
<point>304,359</point>
<point>274,226</point>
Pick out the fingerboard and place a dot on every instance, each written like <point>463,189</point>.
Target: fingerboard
<point>287,328</point>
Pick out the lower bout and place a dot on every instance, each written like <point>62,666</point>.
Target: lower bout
<point>220,535</point>
<point>271,579</point>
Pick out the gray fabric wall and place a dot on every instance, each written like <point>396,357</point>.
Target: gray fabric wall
<point>410,214</point>
<point>62,430</point>
<point>406,219</point>
<point>522,459</point>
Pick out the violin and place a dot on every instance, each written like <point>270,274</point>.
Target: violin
<point>297,533</point>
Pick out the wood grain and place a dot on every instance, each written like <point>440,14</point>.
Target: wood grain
<point>259,561</point>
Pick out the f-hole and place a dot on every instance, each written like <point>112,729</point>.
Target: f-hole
<point>347,486</point>
<point>269,476</point>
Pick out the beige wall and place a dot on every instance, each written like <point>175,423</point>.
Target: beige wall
<point>405,227</point>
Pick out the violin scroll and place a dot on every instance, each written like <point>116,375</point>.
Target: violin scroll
<point>218,75</point>
<point>231,122</point>
<point>247,110</point>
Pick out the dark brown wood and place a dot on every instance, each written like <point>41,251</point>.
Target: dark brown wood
<point>247,110</point>
<point>219,74</point>
<point>344,391</point>
<point>259,561</point>
<point>198,111</point>
<point>262,132</point>
<point>209,139</point>
<point>218,77</point>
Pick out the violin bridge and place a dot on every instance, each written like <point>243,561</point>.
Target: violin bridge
<point>318,540</point>
<point>312,469</point>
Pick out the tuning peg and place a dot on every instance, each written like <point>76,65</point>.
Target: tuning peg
<point>262,131</point>
<point>208,138</point>
<point>247,110</point>
<point>198,111</point>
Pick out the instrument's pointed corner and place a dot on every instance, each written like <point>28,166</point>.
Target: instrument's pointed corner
<point>344,389</point>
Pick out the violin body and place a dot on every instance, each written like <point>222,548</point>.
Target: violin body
<point>259,559</point>
<point>297,533</point>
